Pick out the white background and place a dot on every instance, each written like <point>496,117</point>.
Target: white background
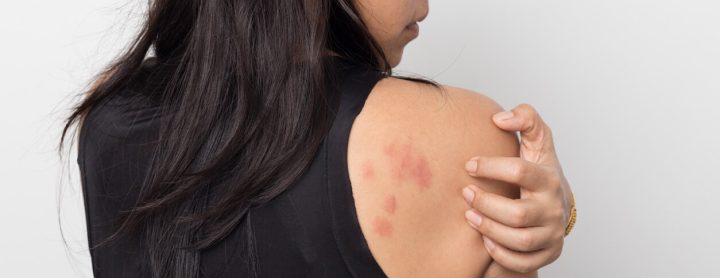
<point>629,87</point>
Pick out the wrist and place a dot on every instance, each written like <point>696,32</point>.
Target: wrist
<point>567,200</point>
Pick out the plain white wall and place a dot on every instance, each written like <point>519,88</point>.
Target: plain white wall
<point>629,87</point>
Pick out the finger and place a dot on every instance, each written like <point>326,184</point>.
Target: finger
<point>517,213</point>
<point>536,136</point>
<point>523,118</point>
<point>517,239</point>
<point>523,262</point>
<point>512,170</point>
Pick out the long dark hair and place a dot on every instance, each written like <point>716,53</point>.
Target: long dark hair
<point>245,109</point>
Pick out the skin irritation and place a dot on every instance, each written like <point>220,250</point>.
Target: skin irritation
<point>368,171</point>
<point>408,164</point>
<point>382,226</point>
<point>390,204</point>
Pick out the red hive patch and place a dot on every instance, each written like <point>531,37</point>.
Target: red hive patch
<point>382,226</point>
<point>389,150</point>
<point>408,164</point>
<point>405,161</point>
<point>390,204</point>
<point>421,172</point>
<point>368,170</point>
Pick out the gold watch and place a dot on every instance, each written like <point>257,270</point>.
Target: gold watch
<point>571,218</point>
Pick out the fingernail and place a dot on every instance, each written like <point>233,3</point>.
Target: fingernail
<point>504,115</point>
<point>471,166</point>
<point>489,245</point>
<point>469,195</point>
<point>473,217</point>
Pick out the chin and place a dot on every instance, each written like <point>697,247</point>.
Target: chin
<point>395,59</point>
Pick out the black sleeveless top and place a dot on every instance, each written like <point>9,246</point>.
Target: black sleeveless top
<point>310,230</point>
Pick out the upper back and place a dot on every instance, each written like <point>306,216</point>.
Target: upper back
<point>406,156</point>
<point>403,162</point>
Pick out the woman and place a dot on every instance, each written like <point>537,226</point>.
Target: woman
<point>229,153</point>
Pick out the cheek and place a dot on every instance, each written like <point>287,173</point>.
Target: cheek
<point>386,19</point>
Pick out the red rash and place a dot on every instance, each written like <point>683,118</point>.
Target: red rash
<point>382,226</point>
<point>368,171</point>
<point>407,164</point>
<point>389,150</point>
<point>421,173</point>
<point>390,204</point>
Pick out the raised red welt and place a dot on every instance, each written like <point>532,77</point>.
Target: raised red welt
<point>382,226</point>
<point>390,204</point>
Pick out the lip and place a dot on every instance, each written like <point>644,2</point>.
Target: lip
<point>413,28</point>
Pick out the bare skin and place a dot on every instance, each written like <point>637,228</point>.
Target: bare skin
<point>520,236</point>
<point>406,154</point>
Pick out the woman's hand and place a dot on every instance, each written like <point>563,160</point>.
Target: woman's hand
<point>523,234</point>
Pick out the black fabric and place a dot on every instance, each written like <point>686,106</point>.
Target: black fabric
<point>310,230</point>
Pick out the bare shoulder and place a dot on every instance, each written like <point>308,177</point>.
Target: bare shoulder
<point>406,157</point>
<point>448,122</point>
<point>431,109</point>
